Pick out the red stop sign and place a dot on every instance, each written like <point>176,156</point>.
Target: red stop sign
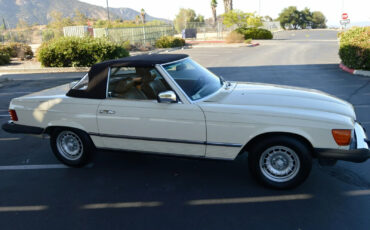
<point>344,16</point>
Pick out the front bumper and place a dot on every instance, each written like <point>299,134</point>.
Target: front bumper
<point>359,151</point>
<point>10,127</point>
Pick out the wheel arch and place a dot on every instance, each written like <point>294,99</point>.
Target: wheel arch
<point>261,136</point>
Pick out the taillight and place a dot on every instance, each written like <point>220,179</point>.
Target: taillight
<point>342,136</point>
<point>13,115</point>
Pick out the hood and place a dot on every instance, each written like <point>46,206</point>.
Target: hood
<point>267,95</point>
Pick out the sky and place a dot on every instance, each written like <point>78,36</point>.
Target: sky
<point>358,10</point>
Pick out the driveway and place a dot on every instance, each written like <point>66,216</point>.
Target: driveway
<point>131,191</point>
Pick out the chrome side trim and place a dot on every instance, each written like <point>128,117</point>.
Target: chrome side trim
<point>167,140</point>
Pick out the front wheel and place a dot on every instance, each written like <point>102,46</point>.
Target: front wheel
<point>280,162</point>
<point>71,147</point>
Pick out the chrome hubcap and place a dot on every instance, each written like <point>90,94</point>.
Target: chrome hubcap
<point>69,145</point>
<point>279,163</point>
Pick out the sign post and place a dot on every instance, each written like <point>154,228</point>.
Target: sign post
<point>345,20</point>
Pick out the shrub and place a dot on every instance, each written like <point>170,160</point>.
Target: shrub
<point>169,42</point>
<point>248,41</point>
<point>47,35</point>
<point>75,51</point>
<point>234,37</point>
<point>4,58</point>
<point>254,33</point>
<point>354,49</point>
<point>16,49</point>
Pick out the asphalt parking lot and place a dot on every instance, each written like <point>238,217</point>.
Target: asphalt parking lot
<point>122,190</point>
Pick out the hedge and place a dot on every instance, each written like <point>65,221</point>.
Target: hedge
<point>169,42</point>
<point>254,33</point>
<point>354,48</point>
<point>78,52</point>
<point>4,58</point>
<point>16,49</point>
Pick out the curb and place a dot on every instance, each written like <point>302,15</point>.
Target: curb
<point>365,73</point>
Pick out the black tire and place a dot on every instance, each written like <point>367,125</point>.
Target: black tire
<point>283,149</point>
<point>83,155</point>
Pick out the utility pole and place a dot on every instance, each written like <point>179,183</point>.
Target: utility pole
<point>259,7</point>
<point>108,12</point>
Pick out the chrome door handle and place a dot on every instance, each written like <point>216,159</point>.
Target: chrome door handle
<point>107,111</point>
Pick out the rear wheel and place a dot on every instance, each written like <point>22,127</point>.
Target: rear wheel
<point>280,162</point>
<point>71,147</point>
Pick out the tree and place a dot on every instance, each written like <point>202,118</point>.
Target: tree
<point>22,24</point>
<point>318,20</point>
<point>58,21</point>
<point>267,19</point>
<point>305,18</point>
<point>79,18</point>
<point>241,19</point>
<point>214,13</point>
<point>228,5</point>
<point>185,18</point>
<point>292,18</point>
<point>289,17</point>
<point>142,15</point>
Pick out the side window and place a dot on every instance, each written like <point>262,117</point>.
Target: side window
<point>138,83</point>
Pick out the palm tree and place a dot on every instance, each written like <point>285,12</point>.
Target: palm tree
<point>214,6</point>
<point>228,4</point>
<point>142,14</point>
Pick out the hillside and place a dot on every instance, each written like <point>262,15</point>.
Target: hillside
<point>38,11</point>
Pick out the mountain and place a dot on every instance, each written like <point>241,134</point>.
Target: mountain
<point>38,11</point>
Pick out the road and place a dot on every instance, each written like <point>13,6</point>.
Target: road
<point>131,191</point>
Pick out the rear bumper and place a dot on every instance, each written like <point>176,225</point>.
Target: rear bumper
<point>10,127</point>
<point>358,152</point>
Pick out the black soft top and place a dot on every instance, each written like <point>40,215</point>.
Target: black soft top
<point>98,73</point>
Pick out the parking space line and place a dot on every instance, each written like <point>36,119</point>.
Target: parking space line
<point>4,115</point>
<point>10,139</point>
<point>32,167</point>
<point>358,193</point>
<point>23,208</point>
<point>10,93</point>
<point>122,205</point>
<point>244,200</point>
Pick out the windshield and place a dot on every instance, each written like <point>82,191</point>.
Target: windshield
<point>82,84</point>
<point>196,81</point>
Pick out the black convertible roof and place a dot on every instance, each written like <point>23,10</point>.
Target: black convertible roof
<point>98,73</point>
<point>146,60</point>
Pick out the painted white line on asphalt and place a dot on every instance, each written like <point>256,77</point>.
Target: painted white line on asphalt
<point>358,193</point>
<point>10,139</point>
<point>242,200</point>
<point>32,167</point>
<point>365,122</point>
<point>361,106</point>
<point>4,115</point>
<point>122,205</point>
<point>23,208</point>
<point>15,93</point>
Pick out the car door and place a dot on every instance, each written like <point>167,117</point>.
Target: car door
<point>132,119</point>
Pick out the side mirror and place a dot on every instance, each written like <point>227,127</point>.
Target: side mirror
<point>167,97</point>
<point>73,83</point>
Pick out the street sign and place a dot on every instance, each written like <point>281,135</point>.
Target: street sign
<point>344,16</point>
<point>344,22</point>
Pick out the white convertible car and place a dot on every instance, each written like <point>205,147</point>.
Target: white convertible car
<point>169,104</point>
